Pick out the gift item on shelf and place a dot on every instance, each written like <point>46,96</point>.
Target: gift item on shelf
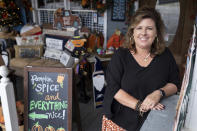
<point>98,78</point>
<point>29,40</point>
<point>64,19</point>
<point>76,46</point>
<point>66,59</point>
<point>115,40</point>
<point>28,51</point>
<point>53,53</point>
<point>28,30</point>
<point>95,40</point>
<point>55,41</point>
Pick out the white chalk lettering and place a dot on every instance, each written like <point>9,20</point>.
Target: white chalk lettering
<point>47,88</point>
<point>45,79</point>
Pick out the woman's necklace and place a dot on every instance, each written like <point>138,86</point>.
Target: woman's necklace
<point>146,58</point>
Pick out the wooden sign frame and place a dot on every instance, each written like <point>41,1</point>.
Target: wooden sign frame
<point>67,71</point>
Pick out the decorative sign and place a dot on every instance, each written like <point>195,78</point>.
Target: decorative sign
<point>70,46</point>
<point>28,51</point>
<point>54,43</point>
<point>118,10</point>
<point>53,53</point>
<point>48,99</point>
<point>66,59</point>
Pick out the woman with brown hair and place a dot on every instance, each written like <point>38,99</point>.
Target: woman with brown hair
<point>139,75</point>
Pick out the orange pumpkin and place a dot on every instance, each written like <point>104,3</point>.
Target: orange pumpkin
<point>49,128</point>
<point>20,107</point>
<point>1,115</point>
<point>100,5</point>
<point>37,127</point>
<point>85,3</point>
<point>61,129</point>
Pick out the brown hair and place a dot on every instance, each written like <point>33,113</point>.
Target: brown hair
<point>158,45</point>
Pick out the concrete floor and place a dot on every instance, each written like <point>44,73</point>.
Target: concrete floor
<point>91,118</point>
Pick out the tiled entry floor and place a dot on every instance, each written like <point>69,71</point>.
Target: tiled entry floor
<point>91,118</point>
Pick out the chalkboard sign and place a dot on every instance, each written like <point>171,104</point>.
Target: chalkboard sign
<point>118,10</point>
<point>48,99</point>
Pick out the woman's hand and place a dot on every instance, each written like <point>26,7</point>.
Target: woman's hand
<point>151,101</point>
<point>159,106</point>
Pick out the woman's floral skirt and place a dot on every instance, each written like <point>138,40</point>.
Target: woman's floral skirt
<point>108,125</point>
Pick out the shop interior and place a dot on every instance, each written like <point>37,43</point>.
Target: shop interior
<point>73,41</point>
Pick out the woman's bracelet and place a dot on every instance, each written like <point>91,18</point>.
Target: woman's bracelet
<point>138,105</point>
<point>162,93</point>
<point>137,108</point>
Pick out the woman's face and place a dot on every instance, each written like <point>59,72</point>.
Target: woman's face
<point>144,34</point>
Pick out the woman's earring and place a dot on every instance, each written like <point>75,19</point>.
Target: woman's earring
<point>156,39</point>
<point>131,38</point>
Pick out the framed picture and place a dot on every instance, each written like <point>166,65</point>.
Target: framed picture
<point>118,10</point>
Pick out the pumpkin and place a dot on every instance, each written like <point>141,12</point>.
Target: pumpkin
<point>61,129</point>
<point>37,127</point>
<point>1,115</point>
<point>49,128</point>
<point>99,5</point>
<point>20,107</point>
<point>85,3</point>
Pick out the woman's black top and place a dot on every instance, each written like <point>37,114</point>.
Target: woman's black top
<point>123,72</point>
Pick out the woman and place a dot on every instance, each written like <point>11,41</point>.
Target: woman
<point>139,75</point>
